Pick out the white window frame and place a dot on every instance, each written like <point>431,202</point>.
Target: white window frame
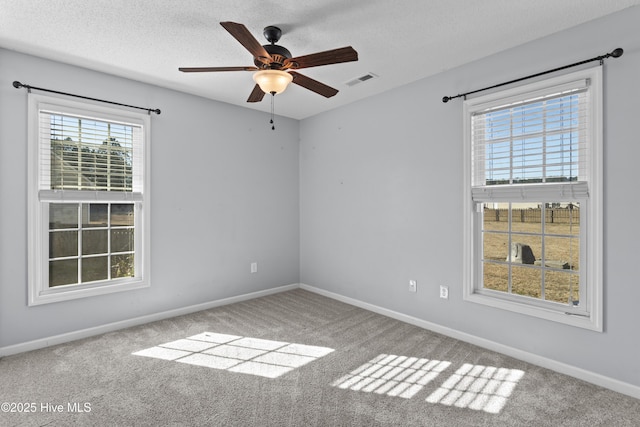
<point>39,199</point>
<point>590,315</point>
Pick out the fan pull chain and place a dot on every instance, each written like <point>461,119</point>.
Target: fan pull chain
<point>273,95</point>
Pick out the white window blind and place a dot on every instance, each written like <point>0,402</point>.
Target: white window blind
<point>86,159</point>
<point>540,140</point>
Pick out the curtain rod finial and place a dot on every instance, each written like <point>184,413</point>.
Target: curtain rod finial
<point>446,99</point>
<point>617,53</point>
<point>17,84</point>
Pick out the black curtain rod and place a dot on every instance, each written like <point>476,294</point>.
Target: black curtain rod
<point>19,85</point>
<point>617,53</point>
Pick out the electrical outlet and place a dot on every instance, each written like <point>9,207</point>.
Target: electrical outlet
<point>413,286</point>
<point>444,292</point>
<point>254,267</point>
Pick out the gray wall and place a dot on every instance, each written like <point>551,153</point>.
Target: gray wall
<point>224,194</point>
<point>381,196</point>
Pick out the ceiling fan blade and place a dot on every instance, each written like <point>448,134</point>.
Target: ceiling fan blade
<point>334,56</point>
<point>246,39</point>
<point>256,94</point>
<point>313,85</point>
<point>210,69</point>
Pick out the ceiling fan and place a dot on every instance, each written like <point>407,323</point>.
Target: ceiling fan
<point>274,66</point>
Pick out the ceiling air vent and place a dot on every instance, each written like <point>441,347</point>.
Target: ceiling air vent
<point>361,79</point>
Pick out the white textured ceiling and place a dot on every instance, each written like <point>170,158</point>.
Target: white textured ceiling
<point>400,41</point>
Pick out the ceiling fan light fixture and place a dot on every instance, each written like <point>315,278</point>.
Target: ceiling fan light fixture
<point>272,81</point>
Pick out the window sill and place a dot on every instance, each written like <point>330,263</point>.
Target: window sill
<point>66,293</point>
<point>577,319</point>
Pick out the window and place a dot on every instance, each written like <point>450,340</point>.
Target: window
<point>533,199</point>
<point>88,200</point>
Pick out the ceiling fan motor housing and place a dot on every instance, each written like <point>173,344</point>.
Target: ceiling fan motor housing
<point>278,53</point>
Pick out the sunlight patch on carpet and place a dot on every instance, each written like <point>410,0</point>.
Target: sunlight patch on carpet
<point>392,375</point>
<point>234,353</point>
<point>482,388</point>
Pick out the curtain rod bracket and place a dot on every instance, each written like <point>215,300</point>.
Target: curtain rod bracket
<point>19,85</point>
<point>616,53</point>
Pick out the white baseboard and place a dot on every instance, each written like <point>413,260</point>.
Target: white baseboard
<point>110,327</point>
<point>563,368</point>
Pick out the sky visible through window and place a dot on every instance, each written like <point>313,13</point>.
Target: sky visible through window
<point>534,142</point>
